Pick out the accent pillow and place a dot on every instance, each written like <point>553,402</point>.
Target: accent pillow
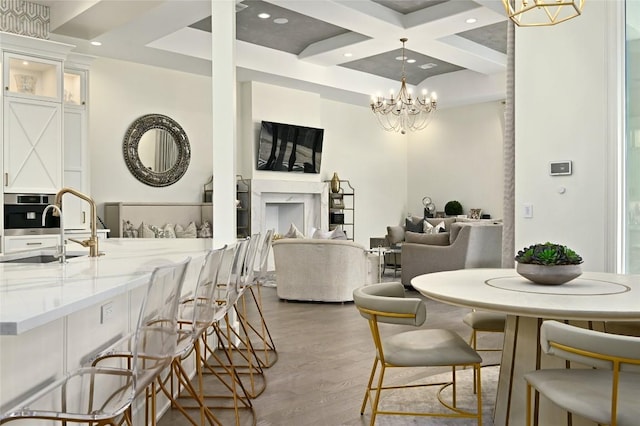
<point>145,231</point>
<point>336,234</point>
<point>189,232</point>
<point>427,227</point>
<point>128,231</point>
<point>293,232</point>
<point>439,228</point>
<point>169,231</point>
<point>412,226</point>
<point>441,239</point>
<point>204,231</point>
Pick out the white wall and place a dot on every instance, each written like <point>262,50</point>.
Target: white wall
<point>122,91</point>
<point>458,157</point>
<point>373,160</point>
<point>562,110</point>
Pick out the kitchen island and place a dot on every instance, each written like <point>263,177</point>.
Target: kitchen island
<point>55,317</point>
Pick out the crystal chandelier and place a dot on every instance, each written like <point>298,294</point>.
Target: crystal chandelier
<point>402,112</point>
<point>538,13</point>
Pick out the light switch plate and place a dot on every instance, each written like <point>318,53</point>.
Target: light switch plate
<point>559,168</point>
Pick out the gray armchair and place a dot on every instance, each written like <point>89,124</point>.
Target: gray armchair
<point>469,245</point>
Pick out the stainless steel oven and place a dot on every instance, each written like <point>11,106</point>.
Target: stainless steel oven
<point>23,215</point>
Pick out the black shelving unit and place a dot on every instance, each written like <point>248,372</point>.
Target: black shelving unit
<point>342,208</point>
<point>243,209</point>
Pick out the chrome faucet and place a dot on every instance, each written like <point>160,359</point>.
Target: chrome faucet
<point>92,242</point>
<point>61,252</point>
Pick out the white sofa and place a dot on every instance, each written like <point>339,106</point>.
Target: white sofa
<point>321,270</point>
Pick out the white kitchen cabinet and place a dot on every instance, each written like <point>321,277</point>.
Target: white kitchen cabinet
<point>32,146</point>
<point>76,173</point>
<point>30,242</point>
<point>32,115</point>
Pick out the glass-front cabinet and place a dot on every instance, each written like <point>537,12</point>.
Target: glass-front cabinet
<point>75,88</point>
<point>32,77</point>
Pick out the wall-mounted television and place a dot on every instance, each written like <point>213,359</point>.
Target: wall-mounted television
<point>289,148</point>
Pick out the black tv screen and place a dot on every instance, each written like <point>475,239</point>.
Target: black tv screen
<point>289,148</point>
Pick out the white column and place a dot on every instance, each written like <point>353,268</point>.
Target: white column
<point>223,33</point>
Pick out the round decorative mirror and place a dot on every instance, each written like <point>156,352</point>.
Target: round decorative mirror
<point>156,150</point>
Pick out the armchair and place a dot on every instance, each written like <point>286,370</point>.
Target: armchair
<point>470,245</point>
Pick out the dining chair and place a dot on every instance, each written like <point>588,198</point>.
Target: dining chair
<point>103,394</point>
<point>605,392</point>
<point>484,322</point>
<point>386,303</point>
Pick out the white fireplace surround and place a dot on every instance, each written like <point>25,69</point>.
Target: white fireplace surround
<point>267,194</point>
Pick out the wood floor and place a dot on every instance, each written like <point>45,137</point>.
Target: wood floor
<point>325,355</point>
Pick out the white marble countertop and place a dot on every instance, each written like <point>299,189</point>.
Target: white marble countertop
<point>33,294</point>
<point>592,296</point>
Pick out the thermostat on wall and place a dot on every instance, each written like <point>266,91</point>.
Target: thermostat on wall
<point>557,168</point>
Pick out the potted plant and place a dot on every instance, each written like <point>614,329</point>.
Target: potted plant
<point>453,208</point>
<point>548,263</point>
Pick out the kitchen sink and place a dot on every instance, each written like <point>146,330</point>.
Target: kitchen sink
<point>40,258</point>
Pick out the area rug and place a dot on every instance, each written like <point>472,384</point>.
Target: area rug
<point>425,399</point>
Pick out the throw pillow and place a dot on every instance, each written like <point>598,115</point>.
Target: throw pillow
<point>427,227</point>
<point>145,231</point>
<point>189,232</point>
<point>157,231</point>
<point>439,228</point>
<point>128,231</point>
<point>413,226</point>
<point>336,234</point>
<point>293,232</point>
<point>204,231</point>
<point>169,231</point>
<point>441,239</point>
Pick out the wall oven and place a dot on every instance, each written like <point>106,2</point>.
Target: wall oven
<point>23,215</point>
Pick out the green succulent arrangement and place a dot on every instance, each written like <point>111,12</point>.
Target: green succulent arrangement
<point>453,208</point>
<point>548,254</point>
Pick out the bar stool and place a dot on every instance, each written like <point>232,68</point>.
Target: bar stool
<point>266,351</point>
<point>196,314</point>
<point>218,362</point>
<point>247,363</point>
<point>103,395</point>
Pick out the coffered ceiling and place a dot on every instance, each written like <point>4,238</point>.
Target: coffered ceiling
<point>338,48</point>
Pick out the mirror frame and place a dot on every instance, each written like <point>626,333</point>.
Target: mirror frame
<point>130,150</point>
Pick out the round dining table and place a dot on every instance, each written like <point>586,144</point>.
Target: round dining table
<point>588,301</point>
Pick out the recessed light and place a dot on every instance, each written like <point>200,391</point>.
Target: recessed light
<point>96,43</point>
<point>400,58</point>
<point>411,61</point>
<point>25,63</point>
<point>280,21</point>
<point>471,21</point>
<point>348,55</point>
<point>429,65</point>
<point>264,15</point>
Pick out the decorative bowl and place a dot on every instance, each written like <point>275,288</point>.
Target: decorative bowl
<point>549,274</point>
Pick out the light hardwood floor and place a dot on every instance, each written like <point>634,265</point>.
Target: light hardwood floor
<point>325,355</point>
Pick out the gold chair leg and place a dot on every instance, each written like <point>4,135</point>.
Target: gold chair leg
<point>368,389</point>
